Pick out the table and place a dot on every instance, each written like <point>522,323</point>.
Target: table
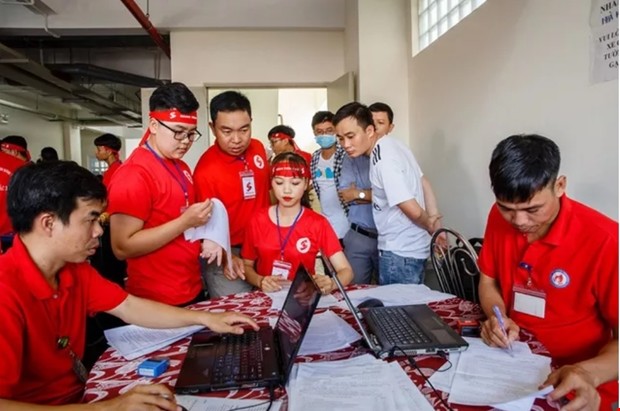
<point>112,375</point>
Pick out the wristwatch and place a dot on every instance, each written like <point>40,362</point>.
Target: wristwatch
<point>361,195</point>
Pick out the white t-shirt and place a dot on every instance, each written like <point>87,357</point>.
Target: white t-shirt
<point>396,177</point>
<point>330,202</point>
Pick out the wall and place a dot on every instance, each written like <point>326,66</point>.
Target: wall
<point>250,58</point>
<point>512,67</point>
<point>38,132</point>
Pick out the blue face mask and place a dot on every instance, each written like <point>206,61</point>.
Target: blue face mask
<point>325,140</point>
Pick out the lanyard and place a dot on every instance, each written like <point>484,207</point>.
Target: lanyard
<point>245,163</point>
<point>180,181</point>
<point>290,231</point>
<point>527,268</point>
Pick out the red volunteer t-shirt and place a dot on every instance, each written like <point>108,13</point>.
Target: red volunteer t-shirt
<point>146,189</point>
<point>217,174</point>
<point>8,165</point>
<point>311,234</point>
<point>576,265</point>
<point>107,176</point>
<point>33,316</point>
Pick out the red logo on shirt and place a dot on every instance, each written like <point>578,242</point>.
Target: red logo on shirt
<point>559,279</point>
<point>303,245</point>
<point>258,161</point>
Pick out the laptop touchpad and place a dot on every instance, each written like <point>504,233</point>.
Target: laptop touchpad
<point>443,336</point>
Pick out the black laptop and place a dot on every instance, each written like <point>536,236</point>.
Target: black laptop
<point>262,358</point>
<point>406,329</point>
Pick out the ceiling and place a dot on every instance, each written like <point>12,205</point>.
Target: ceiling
<point>85,61</point>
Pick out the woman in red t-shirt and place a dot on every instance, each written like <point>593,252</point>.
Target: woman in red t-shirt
<point>281,237</point>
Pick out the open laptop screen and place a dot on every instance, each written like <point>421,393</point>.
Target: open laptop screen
<point>296,315</point>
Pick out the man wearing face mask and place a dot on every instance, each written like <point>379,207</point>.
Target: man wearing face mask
<point>325,168</point>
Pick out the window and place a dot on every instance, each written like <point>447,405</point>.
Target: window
<point>96,166</point>
<point>435,17</point>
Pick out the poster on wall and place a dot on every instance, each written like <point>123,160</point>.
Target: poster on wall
<point>604,40</point>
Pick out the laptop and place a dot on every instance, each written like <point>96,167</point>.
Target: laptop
<point>262,358</point>
<point>406,329</point>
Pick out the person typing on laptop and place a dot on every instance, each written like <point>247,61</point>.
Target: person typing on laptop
<point>550,264</point>
<point>48,288</point>
<point>281,237</point>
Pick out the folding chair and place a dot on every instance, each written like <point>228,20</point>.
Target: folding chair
<point>456,266</point>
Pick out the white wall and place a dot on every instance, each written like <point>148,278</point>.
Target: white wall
<point>238,58</point>
<point>37,131</point>
<point>512,67</point>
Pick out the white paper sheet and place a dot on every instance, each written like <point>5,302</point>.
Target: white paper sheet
<point>486,375</point>
<point>132,341</point>
<point>327,332</point>
<point>216,230</point>
<point>396,294</point>
<point>278,298</point>
<point>370,384</point>
<point>194,403</point>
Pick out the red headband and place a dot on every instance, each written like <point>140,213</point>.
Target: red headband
<point>172,115</point>
<point>10,146</point>
<point>115,152</point>
<point>288,169</point>
<point>284,136</point>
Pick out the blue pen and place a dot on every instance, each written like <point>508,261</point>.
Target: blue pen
<point>500,319</point>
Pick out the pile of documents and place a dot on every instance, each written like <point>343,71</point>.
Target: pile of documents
<point>360,383</point>
<point>396,294</point>
<point>194,403</point>
<point>132,341</point>
<point>484,375</point>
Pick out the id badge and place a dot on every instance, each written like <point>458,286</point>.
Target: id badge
<point>248,185</point>
<point>281,269</point>
<point>529,301</point>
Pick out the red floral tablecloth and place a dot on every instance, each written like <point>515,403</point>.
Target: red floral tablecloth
<point>112,375</point>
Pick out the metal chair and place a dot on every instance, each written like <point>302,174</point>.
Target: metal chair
<point>456,266</point>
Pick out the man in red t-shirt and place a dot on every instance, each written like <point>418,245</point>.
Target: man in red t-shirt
<point>234,170</point>
<point>152,203</point>
<point>10,161</point>
<point>550,265</point>
<point>48,290</point>
<point>107,148</point>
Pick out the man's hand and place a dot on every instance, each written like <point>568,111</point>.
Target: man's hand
<point>270,283</point>
<point>197,214</point>
<point>492,334</point>
<point>325,283</point>
<point>211,251</point>
<point>155,397</point>
<point>573,378</point>
<point>228,322</point>
<point>349,194</point>
<point>238,269</point>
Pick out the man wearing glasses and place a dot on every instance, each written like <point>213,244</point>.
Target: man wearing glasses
<point>152,202</point>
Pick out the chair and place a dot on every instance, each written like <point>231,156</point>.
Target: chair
<point>456,267</point>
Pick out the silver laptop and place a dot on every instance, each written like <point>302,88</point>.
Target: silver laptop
<point>401,330</point>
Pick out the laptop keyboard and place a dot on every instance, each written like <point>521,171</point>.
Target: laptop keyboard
<point>239,358</point>
<point>398,327</point>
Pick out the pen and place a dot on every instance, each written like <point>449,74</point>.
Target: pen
<point>500,319</point>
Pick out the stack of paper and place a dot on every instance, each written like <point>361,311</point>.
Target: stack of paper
<point>278,298</point>
<point>193,403</point>
<point>327,332</point>
<point>484,375</point>
<point>132,341</point>
<point>361,383</point>
<point>396,294</point>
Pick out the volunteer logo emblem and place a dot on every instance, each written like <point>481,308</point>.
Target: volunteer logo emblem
<point>303,245</point>
<point>173,115</point>
<point>559,279</point>
<point>259,162</point>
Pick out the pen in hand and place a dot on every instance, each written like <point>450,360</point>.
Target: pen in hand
<point>500,319</point>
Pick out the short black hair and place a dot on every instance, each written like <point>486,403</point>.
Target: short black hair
<point>358,111</point>
<point>282,129</point>
<point>17,140</point>
<point>522,165</point>
<point>380,107</point>
<point>173,95</point>
<point>49,154</point>
<point>51,187</point>
<point>110,141</point>
<point>321,117</point>
<point>229,101</point>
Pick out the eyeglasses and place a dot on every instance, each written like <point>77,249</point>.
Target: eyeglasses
<point>321,132</point>
<point>192,135</point>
